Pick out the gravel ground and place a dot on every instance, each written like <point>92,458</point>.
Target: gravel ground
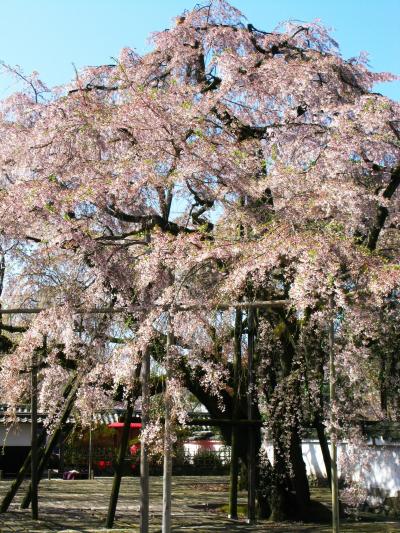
<point>71,506</point>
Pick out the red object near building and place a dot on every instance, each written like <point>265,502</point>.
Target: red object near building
<point>136,425</point>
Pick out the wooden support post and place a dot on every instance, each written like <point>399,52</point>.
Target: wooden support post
<point>119,467</point>
<point>144,463</point>
<point>237,365</point>
<point>51,443</point>
<point>167,471</point>
<point>62,438</point>
<point>332,394</point>
<point>90,459</point>
<point>251,458</point>
<point>8,498</point>
<point>34,436</point>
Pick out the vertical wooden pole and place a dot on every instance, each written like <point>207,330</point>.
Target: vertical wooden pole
<point>44,455</point>
<point>42,462</point>
<point>332,394</point>
<point>90,465</point>
<point>119,467</point>
<point>9,496</point>
<point>34,436</point>
<point>62,439</point>
<point>167,471</point>
<point>251,459</point>
<point>144,463</point>
<point>234,469</point>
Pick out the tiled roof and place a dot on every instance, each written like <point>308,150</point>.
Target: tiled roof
<point>23,413</point>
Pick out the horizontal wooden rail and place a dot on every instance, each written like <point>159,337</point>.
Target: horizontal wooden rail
<point>262,304</point>
<point>223,422</point>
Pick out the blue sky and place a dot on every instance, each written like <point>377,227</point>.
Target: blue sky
<point>50,35</point>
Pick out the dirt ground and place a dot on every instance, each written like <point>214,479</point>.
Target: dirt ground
<point>71,506</point>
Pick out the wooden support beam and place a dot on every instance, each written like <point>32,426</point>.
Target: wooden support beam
<point>52,442</point>
<point>251,454</point>
<point>144,463</point>
<point>237,371</point>
<point>9,496</point>
<point>332,395</point>
<point>34,436</point>
<point>90,455</point>
<point>119,466</point>
<point>262,304</point>
<point>223,422</point>
<point>167,471</point>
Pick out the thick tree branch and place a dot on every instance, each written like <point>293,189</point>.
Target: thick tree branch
<point>148,221</point>
<point>382,211</point>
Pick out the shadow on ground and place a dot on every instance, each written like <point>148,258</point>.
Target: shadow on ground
<point>72,506</point>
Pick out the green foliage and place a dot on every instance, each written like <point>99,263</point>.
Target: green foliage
<point>209,459</point>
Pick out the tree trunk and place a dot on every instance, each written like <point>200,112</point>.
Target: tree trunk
<point>299,478</point>
<point>279,494</point>
<point>264,485</point>
<point>326,454</point>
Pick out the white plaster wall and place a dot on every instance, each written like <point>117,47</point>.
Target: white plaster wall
<point>380,468</point>
<point>192,448</point>
<point>16,435</point>
<point>376,466</point>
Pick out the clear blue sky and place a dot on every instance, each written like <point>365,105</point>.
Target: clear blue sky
<point>50,35</point>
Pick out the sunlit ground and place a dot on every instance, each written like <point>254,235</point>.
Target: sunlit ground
<point>82,506</point>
